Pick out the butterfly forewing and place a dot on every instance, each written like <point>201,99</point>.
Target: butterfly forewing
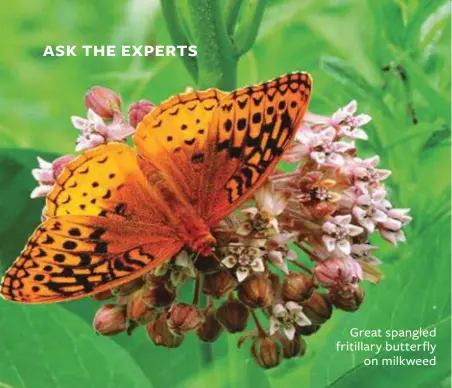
<point>172,138</point>
<point>249,131</point>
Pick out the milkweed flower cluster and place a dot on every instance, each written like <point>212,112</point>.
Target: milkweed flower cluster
<point>281,265</point>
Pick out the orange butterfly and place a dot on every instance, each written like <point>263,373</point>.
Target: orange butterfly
<point>115,214</point>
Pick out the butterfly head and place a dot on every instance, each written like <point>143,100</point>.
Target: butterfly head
<point>204,245</point>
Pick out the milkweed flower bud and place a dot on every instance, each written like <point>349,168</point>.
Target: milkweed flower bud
<point>183,318</point>
<point>233,315</point>
<point>349,299</point>
<point>266,351</point>
<point>138,110</point>
<point>161,335</point>
<point>292,348</point>
<point>256,292</point>
<point>47,173</point>
<point>137,309</point>
<point>103,101</point>
<point>211,329</point>
<point>318,308</point>
<point>157,293</point>
<point>110,319</point>
<point>297,287</point>
<point>218,283</point>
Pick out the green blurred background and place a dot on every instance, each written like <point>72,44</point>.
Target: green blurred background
<point>344,44</point>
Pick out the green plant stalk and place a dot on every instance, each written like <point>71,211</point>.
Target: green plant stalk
<point>216,60</point>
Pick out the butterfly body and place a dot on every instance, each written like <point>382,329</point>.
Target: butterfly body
<point>116,213</point>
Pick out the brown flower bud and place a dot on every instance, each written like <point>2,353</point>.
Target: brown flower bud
<point>256,292</point>
<point>157,293</point>
<point>211,329</point>
<point>103,295</point>
<point>184,317</point>
<point>138,110</point>
<point>218,284</point>
<point>233,315</point>
<point>110,319</point>
<point>292,348</point>
<point>207,264</point>
<point>266,351</point>
<point>137,309</point>
<point>161,335</point>
<point>318,308</point>
<point>297,287</point>
<point>307,330</point>
<point>348,301</point>
<point>128,288</point>
<point>103,101</point>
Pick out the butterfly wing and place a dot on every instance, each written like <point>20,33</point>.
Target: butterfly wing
<point>69,257</point>
<point>173,136</point>
<point>248,133</point>
<point>104,227</point>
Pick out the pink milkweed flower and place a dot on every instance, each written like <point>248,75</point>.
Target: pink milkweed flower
<point>347,124</point>
<point>94,131</point>
<point>391,229</point>
<point>362,253</point>
<point>364,171</point>
<point>47,173</point>
<point>287,317</point>
<point>262,219</point>
<point>338,271</point>
<point>338,232</point>
<point>371,208</point>
<point>278,252</point>
<point>321,146</point>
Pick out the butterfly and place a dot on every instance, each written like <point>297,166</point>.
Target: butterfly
<point>116,213</point>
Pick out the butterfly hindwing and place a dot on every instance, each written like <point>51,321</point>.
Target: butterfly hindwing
<point>249,131</point>
<point>72,256</point>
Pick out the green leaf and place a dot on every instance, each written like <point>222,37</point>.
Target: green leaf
<point>47,346</point>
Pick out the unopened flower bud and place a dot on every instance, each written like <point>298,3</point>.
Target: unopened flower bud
<point>318,308</point>
<point>218,284</point>
<point>297,287</point>
<point>292,348</point>
<point>158,293</point>
<point>348,301</point>
<point>233,315</point>
<point>128,288</point>
<point>207,264</point>
<point>103,295</point>
<point>110,319</point>
<point>103,101</point>
<point>266,351</point>
<point>138,110</point>
<point>211,329</point>
<point>161,335</point>
<point>307,330</point>
<point>183,318</point>
<point>256,292</point>
<point>337,270</point>
<point>137,309</point>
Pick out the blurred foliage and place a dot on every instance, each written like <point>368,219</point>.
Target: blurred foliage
<point>393,56</point>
